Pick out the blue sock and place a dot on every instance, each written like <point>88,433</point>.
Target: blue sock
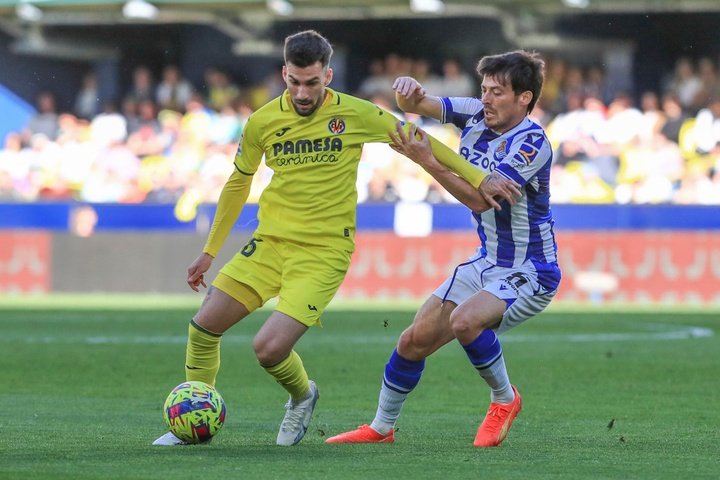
<point>485,353</point>
<point>401,377</point>
<point>484,350</point>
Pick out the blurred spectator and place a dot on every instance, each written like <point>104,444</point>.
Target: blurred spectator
<point>174,91</point>
<point>422,72</point>
<point>604,152</point>
<point>685,84</point>
<point>272,86</point>
<point>707,73</point>
<point>622,126</point>
<point>221,92</point>
<point>142,85</point>
<point>653,118</point>
<point>226,127</point>
<point>109,127</point>
<point>376,83</point>
<point>144,139</point>
<point>707,128</point>
<point>455,82</point>
<point>45,120</point>
<point>595,84</point>
<point>87,101</point>
<point>130,113</point>
<point>552,94</point>
<point>674,117</point>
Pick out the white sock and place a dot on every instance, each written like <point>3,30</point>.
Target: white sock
<point>497,378</point>
<point>389,406</point>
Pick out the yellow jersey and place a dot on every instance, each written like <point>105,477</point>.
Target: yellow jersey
<point>311,197</point>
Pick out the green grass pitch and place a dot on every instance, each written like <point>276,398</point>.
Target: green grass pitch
<point>606,393</point>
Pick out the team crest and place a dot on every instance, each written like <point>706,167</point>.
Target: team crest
<point>336,126</point>
<point>501,151</point>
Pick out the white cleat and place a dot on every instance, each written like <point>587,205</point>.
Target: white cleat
<point>168,440</point>
<point>297,418</point>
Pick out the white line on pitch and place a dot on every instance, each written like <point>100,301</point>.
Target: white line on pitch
<point>683,333</point>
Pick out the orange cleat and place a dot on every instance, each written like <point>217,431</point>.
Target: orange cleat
<point>363,434</point>
<point>494,428</point>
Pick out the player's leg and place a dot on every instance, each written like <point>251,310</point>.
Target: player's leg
<point>429,331</point>
<point>274,350</point>
<point>218,312</point>
<point>247,281</point>
<point>311,277</point>
<point>473,324</point>
<point>508,298</point>
<point>273,345</point>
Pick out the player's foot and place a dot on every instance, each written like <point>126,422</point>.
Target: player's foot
<point>169,439</point>
<point>363,434</point>
<point>297,418</point>
<point>494,428</point>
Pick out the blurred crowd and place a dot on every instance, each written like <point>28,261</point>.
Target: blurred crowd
<point>168,141</point>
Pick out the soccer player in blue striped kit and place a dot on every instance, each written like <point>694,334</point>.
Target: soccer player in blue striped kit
<point>514,273</point>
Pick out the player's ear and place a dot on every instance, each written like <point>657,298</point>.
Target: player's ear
<point>284,73</point>
<point>328,76</point>
<point>526,97</point>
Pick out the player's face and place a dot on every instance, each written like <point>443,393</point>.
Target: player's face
<point>306,86</point>
<point>503,108</point>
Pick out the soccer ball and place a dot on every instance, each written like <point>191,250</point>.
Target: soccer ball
<point>194,412</point>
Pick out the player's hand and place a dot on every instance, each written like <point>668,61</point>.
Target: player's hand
<point>415,145</point>
<point>408,87</point>
<point>495,185</point>
<point>196,271</point>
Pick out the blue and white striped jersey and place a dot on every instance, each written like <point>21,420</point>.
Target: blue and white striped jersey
<point>513,235</point>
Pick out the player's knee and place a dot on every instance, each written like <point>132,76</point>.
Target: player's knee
<point>462,323</point>
<point>414,345</point>
<point>268,352</point>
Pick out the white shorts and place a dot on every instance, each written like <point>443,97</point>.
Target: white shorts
<point>526,290</point>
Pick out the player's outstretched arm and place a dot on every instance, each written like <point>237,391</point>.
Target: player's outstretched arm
<point>415,145</point>
<point>411,97</point>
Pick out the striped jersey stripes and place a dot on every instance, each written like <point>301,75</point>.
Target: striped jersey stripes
<point>524,232</point>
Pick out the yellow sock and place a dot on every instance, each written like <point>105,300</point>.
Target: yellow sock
<point>202,358</point>
<point>291,374</point>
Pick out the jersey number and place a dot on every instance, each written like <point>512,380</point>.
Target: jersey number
<point>518,279</point>
<point>249,249</point>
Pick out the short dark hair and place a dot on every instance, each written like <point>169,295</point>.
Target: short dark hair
<point>303,49</point>
<point>525,70</point>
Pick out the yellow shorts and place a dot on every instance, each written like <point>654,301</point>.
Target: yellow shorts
<point>305,277</point>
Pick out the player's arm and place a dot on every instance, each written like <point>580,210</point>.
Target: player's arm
<point>232,200</point>
<point>415,145</point>
<point>381,124</point>
<point>411,97</point>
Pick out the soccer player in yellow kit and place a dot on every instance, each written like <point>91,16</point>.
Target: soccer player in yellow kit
<point>311,137</point>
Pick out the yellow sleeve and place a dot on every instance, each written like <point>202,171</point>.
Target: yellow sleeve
<point>454,161</point>
<point>382,123</point>
<point>232,200</point>
<point>235,192</point>
<point>250,150</point>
